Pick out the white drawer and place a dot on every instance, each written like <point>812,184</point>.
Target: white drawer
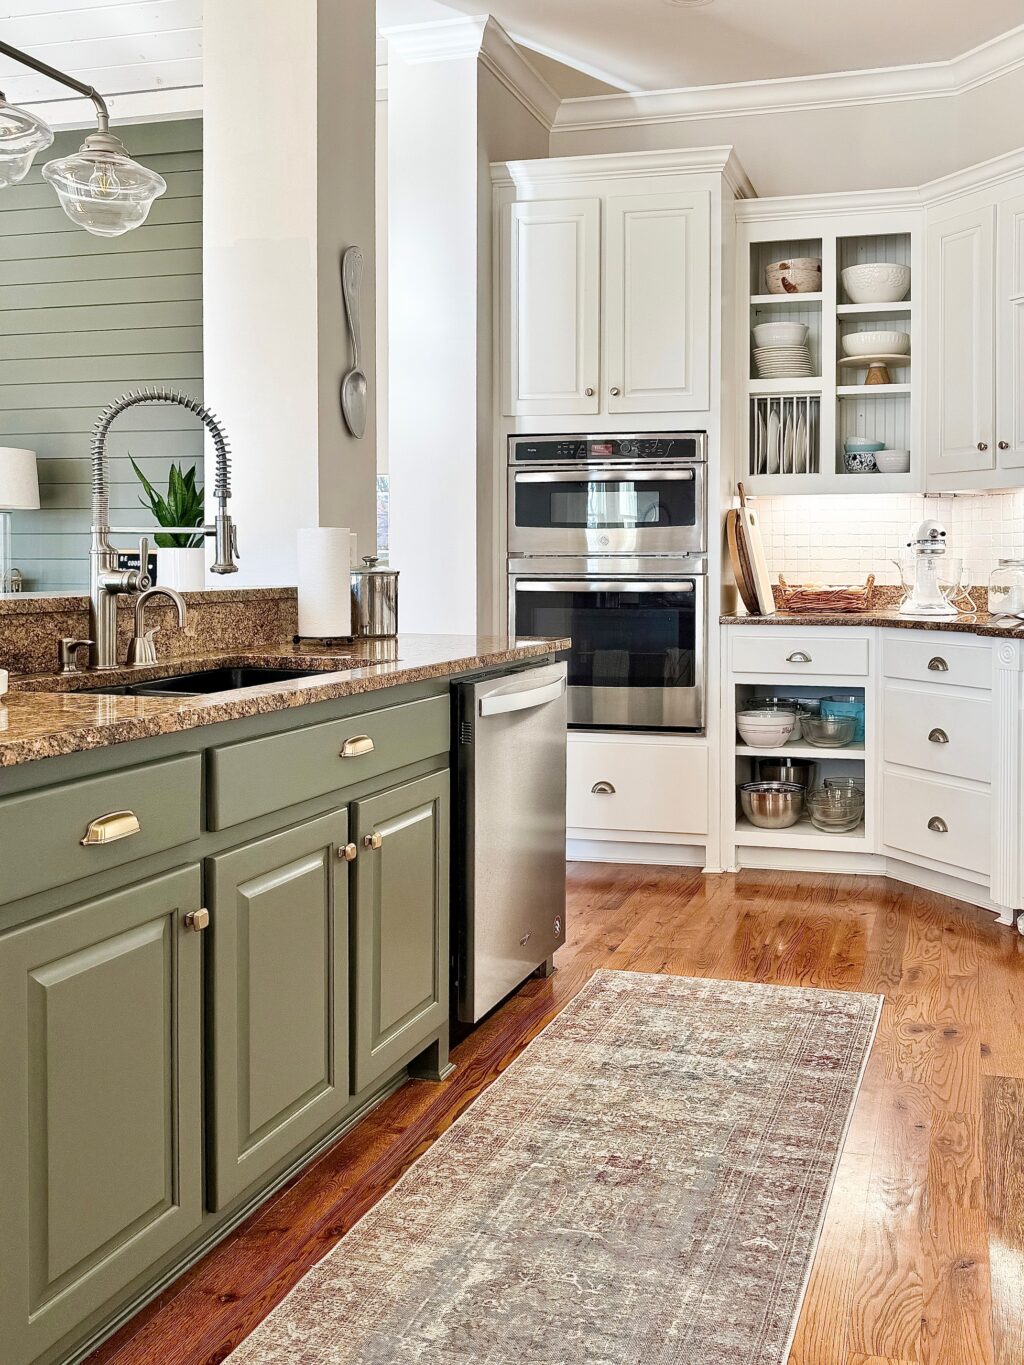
<point>806,654</point>
<point>936,660</point>
<point>939,732</point>
<point>638,786</point>
<point>910,803</point>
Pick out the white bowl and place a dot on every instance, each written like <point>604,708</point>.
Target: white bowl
<point>766,729</point>
<point>780,334</point>
<point>799,276</point>
<point>878,282</point>
<point>893,461</point>
<point>876,343</point>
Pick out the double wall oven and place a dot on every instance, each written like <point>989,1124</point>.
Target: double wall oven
<point>607,540</point>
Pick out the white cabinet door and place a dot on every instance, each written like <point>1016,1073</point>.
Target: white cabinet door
<point>1010,335</point>
<point>551,292</point>
<point>657,302</point>
<point>961,339</point>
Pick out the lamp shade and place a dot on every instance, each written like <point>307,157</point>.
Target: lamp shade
<point>19,482</point>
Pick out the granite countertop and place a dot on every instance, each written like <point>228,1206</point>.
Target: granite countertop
<point>967,623</point>
<point>46,715</point>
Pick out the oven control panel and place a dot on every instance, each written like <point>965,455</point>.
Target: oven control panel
<point>598,449</point>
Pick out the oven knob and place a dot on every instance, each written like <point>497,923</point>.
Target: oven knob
<point>603,540</point>
<point>629,448</point>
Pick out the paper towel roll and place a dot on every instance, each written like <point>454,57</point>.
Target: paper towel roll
<point>325,593</point>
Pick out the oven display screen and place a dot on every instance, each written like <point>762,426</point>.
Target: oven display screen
<point>563,449</point>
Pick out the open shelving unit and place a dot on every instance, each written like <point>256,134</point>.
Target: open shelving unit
<point>834,402</point>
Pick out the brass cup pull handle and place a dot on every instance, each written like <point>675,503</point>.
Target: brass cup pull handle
<point>356,747</point>
<point>602,789</point>
<point>348,852</point>
<point>798,657</point>
<point>938,664</point>
<point>197,920</point>
<point>938,736</point>
<point>937,825</point>
<point>107,829</point>
<point>373,840</point>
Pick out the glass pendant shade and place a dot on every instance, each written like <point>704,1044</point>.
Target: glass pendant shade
<point>102,189</point>
<point>21,136</point>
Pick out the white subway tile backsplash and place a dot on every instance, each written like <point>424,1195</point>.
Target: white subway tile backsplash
<point>843,539</point>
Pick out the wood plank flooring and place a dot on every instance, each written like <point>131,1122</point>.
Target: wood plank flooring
<point>922,1257</point>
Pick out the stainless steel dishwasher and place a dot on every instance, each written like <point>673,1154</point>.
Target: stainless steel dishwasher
<point>509,885</point>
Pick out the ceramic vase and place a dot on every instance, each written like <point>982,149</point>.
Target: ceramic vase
<point>181,569</point>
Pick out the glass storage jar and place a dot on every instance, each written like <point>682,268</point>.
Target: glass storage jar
<point>1006,588</point>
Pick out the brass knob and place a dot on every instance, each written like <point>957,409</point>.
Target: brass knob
<point>197,920</point>
<point>937,825</point>
<point>614,391</point>
<point>347,852</point>
<point>938,736</point>
<point>983,445</point>
<point>589,392</point>
<point>1004,445</point>
<point>373,840</point>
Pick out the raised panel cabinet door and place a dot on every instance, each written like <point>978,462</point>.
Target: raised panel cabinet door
<point>100,1118</point>
<point>1010,335</point>
<point>657,299</point>
<point>278,1004</point>
<point>550,292</point>
<point>960,325</point>
<point>399,924</point>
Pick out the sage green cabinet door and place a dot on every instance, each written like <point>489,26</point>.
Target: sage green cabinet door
<point>400,924</point>
<point>100,1120</point>
<point>278,1002</point>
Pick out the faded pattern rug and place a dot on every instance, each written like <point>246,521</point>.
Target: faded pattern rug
<point>644,1185</point>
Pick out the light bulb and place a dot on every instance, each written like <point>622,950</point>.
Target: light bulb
<point>104,182</point>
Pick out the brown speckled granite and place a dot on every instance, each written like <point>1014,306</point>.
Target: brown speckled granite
<point>46,716</point>
<point>978,623</point>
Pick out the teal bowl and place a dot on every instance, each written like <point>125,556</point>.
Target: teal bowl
<point>844,706</point>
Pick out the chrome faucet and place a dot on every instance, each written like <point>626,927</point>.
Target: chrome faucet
<point>106,580</point>
<point>141,647</point>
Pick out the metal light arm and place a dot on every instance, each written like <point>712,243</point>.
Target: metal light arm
<point>61,77</point>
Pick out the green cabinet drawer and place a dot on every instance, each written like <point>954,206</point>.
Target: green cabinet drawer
<point>399,924</point>
<point>277,969</point>
<point>41,832</point>
<point>259,776</point>
<point>100,1124</point>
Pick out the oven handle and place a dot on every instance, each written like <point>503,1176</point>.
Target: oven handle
<point>604,585</point>
<point>607,476</point>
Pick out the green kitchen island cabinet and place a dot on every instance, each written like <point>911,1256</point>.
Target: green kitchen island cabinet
<point>161,1075</point>
<point>100,1124</point>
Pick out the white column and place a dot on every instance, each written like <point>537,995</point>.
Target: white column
<point>288,183</point>
<point>1007,886</point>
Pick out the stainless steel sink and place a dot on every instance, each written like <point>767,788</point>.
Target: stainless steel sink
<point>207,680</point>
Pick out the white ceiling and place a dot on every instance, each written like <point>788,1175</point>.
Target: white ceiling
<point>663,44</point>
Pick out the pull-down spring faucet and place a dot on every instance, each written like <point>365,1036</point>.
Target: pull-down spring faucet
<point>105,579</point>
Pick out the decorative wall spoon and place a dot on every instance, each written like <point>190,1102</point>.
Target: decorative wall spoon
<point>353,384</point>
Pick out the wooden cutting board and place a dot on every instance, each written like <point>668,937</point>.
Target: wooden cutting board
<point>740,563</point>
<point>750,529</point>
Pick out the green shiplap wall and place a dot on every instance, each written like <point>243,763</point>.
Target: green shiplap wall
<point>82,320</point>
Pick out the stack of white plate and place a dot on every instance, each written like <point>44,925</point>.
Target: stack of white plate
<point>783,362</point>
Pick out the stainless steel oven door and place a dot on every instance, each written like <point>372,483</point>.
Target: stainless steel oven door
<point>607,510</point>
<point>637,656</point>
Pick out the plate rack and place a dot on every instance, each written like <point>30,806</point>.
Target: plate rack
<point>785,435</point>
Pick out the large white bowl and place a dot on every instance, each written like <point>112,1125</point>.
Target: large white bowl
<point>780,334</point>
<point>766,729</point>
<point>893,461</point>
<point>877,282</point>
<point>876,343</point>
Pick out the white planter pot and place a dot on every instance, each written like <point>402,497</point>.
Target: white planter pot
<point>181,569</point>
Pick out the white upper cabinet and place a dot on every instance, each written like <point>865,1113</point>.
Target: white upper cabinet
<point>1010,332</point>
<point>551,294</point>
<point>606,305</point>
<point>657,302</point>
<point>961,331</point>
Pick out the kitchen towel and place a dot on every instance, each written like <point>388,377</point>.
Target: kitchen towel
<point>325,588</point>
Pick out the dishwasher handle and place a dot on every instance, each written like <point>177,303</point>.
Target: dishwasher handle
<point>502,703</point>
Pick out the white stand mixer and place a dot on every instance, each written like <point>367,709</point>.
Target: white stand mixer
<point>931,579</point>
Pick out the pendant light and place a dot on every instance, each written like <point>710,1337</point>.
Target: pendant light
<point>100,187</point>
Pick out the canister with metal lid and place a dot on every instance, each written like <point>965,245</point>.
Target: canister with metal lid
<point>374,600</point>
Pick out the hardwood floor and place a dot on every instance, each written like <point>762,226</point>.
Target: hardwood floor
<point>922,1257</point>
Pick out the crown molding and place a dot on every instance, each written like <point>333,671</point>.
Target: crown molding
<point>481,37</point>
<point>981,176</point>
<point>933,80</point>
<point>627,166</point>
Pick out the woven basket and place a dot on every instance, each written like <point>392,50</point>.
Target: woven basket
<point>811,598</point>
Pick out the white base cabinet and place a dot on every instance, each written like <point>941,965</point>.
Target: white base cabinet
<point>623,786</point>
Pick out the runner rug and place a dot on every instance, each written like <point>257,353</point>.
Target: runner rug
<point>646,1183</point>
